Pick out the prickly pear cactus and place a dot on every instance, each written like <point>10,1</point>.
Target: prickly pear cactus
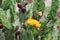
<point>29,20</point>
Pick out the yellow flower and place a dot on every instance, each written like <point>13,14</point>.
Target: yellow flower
<point>30,21</point>
<point>34,22</point>
<point>37,24</point>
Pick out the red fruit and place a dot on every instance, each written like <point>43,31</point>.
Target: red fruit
<point>1,25</point>
<point>23,9</point>
<point>17,32</point>
<point>19,5</point>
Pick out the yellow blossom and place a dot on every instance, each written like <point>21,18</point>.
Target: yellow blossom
<point>37,24</point>
<point>30,21</point>
<point>33,22</point>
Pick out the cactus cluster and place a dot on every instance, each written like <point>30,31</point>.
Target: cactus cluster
<point>25,24</point>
